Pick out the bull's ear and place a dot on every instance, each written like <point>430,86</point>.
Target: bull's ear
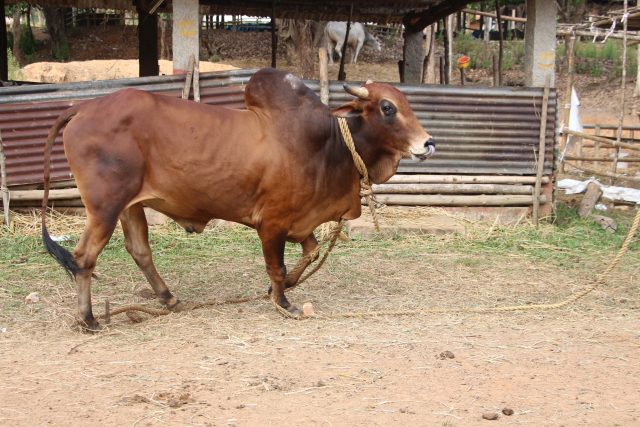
<point>351,109</point>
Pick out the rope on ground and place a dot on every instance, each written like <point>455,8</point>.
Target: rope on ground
<point>300,266</point>
<point>599,280</point>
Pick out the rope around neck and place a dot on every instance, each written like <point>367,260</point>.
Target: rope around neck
<point>365,184</point>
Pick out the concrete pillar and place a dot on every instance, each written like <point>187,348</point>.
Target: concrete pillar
<point>186,34</point>
<point>540,42</point>
<point>413,54</point>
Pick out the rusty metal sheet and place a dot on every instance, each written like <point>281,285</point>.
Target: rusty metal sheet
<point>27,113</point>
<point>478,130</point>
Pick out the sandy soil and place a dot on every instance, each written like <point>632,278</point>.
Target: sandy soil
<point>244,365</point>
<point>99,69</point>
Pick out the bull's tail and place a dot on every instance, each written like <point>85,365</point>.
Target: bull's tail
<point>63,256</point>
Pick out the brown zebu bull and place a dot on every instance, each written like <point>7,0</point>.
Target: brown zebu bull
<point>280,166</point>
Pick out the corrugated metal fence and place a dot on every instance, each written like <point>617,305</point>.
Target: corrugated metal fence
<point>490,131</point>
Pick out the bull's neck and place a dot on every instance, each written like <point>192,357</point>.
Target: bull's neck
<point>380,165</point>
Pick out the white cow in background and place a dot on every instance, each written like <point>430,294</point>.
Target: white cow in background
<point>334,34</point>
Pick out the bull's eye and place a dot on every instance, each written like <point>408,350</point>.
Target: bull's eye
<point>388,109</point>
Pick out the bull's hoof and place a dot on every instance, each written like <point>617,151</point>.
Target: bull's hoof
<point>294,312</point>
<point>90,326</point>
<point>178,306</point>
<point>291,311</point>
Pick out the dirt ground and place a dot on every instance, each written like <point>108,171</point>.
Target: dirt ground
<point>245,365</point>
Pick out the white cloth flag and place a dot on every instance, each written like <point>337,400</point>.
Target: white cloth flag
<point>574,122</point>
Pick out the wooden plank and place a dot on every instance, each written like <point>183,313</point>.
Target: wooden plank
<point>67,193</point>
<point>456,200</point>
<point>478,179</point>
<point>541,150</point>
<point>469,188</point>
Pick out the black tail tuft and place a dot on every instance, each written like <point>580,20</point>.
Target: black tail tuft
<point>63,256</point>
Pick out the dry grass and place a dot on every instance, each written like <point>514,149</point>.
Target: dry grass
<point>487,266</point>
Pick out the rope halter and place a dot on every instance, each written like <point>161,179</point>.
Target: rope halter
<point>365,184</point>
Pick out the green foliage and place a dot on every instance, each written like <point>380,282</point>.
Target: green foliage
<point>61,51</point>
<point>599,59</point>
<point>13,65</point>
<point>27,40</point>
<point>481,52</point>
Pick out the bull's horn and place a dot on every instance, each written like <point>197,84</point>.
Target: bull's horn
<point>368,82</point>
<point>360,92</point>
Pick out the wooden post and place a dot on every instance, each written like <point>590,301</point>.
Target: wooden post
<point>3,184</point>
<point>589,200</point>
<point>274,36</point>
<point>596,143</point>
<point>623,86</point>
<point>324,75</point>
<point>448,49</point>
<point>636,91</point>
<point>500,43</point>
<point>494,66</point>
<point>4,60</point>
<point>541,151</point>
<point>461,76</point>
<point>570,42</point>
<point>187,83</point>
<point>341,73</point>
<point>441,70</point>
<point>196,82</point>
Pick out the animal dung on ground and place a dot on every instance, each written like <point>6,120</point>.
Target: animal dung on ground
<point>507,411</point>
<point>446,355</point>
<point>146,293</point>
<point>490,416</point>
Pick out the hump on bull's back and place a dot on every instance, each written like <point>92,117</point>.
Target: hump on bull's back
<point>277,90</point>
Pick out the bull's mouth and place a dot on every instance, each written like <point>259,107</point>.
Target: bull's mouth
<point>429,151</point>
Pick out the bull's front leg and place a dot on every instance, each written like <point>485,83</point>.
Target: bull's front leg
<point>273,243</point>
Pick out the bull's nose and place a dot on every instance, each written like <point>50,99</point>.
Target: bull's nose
<point>430,145</point>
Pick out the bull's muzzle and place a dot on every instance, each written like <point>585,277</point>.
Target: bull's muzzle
<point>429,150</point>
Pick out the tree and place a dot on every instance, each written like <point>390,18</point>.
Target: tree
<point>23,42</point>
<point>298,38</point>
<point>54,17</point>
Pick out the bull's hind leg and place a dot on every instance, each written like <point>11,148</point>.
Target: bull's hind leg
<point>308,246</point>
<point>96,234</point>
<point>136,233</point>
